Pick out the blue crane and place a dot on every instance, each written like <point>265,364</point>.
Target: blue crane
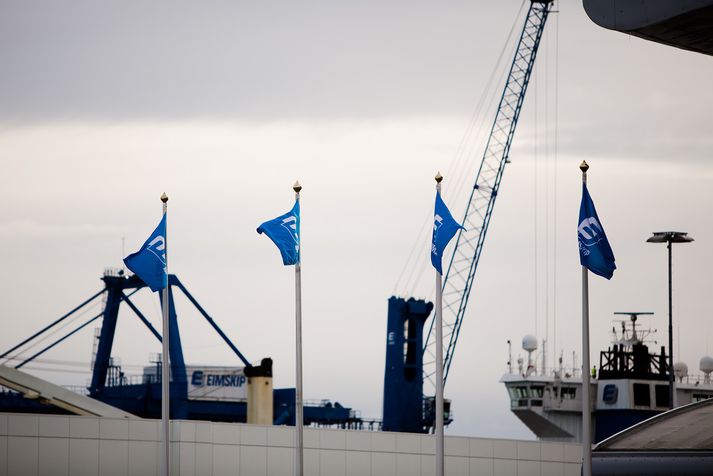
<point>141,394</point>
<point>403,394</point>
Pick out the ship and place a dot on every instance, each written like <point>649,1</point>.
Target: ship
<point>630,386</point>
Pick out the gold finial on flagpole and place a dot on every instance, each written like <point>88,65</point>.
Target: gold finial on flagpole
<point>438,177</point>
<point>584,166</point>
<point>164,197</point>
<point>297,187</point>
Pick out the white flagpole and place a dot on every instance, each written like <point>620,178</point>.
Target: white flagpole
<point>299,419</point>
<point>440,460</point>
<point>586,399</point>
<point>165,368</point>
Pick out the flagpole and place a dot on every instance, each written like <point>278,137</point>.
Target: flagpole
<point>586,399</point>
<point>299,419</point>
<point>440,460</point>
<point>165,368</point>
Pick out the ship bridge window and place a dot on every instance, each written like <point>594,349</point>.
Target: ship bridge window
<point>642,395</point>
<point>537,392</point>
<point>697,397</point>
<point>519,392</point>
<point>518,396</point>
<point>662,396</point>
<point>568,393</point>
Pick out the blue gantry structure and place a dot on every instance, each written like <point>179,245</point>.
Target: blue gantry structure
<point>142,396</point>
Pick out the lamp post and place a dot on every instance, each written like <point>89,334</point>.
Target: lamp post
<point>670,237</point>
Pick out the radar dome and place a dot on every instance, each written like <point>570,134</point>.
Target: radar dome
<point>529,343</point>
<point>706,364</point>
<point>680,369</point>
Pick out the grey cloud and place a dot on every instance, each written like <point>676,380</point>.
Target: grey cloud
<point>237,59</point>
<point>32,228</point>
<point>268,61</point>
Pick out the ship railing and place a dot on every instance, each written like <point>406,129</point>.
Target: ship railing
<point>695,379</point>
<point>113,272</point>
<point>360,424</point>
<point>620,360</point>
<point>319,403</point>
<point>6,390</point>
<point>561,372</point>
<point>80,389</point>
<point>120,381</point>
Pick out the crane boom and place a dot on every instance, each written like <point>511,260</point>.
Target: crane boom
<point>458,281</point>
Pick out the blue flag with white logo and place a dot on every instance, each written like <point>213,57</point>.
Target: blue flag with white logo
<point>284,231</point>
<point>149,263</point>
<point>595,253</point>
<point>444,228</point>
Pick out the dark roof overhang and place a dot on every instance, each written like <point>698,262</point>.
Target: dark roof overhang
<point>685,24</point>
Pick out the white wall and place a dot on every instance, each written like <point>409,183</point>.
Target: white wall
<point>73,445</point>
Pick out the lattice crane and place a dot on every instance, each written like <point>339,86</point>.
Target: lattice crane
<point>458,281</point>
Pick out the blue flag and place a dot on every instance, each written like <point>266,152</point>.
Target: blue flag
<point>149,263</point>
<point>444,228</point>
<point>594,250</point>
<point>284,231</point>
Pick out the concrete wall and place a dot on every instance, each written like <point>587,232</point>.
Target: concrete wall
<point>73,445</point>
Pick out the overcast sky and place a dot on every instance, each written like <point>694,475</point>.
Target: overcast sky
<point>224,104</point>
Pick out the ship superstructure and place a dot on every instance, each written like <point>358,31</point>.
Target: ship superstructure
<point>630,386</point>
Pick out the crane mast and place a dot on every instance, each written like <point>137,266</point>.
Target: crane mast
<point>458,281</point>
